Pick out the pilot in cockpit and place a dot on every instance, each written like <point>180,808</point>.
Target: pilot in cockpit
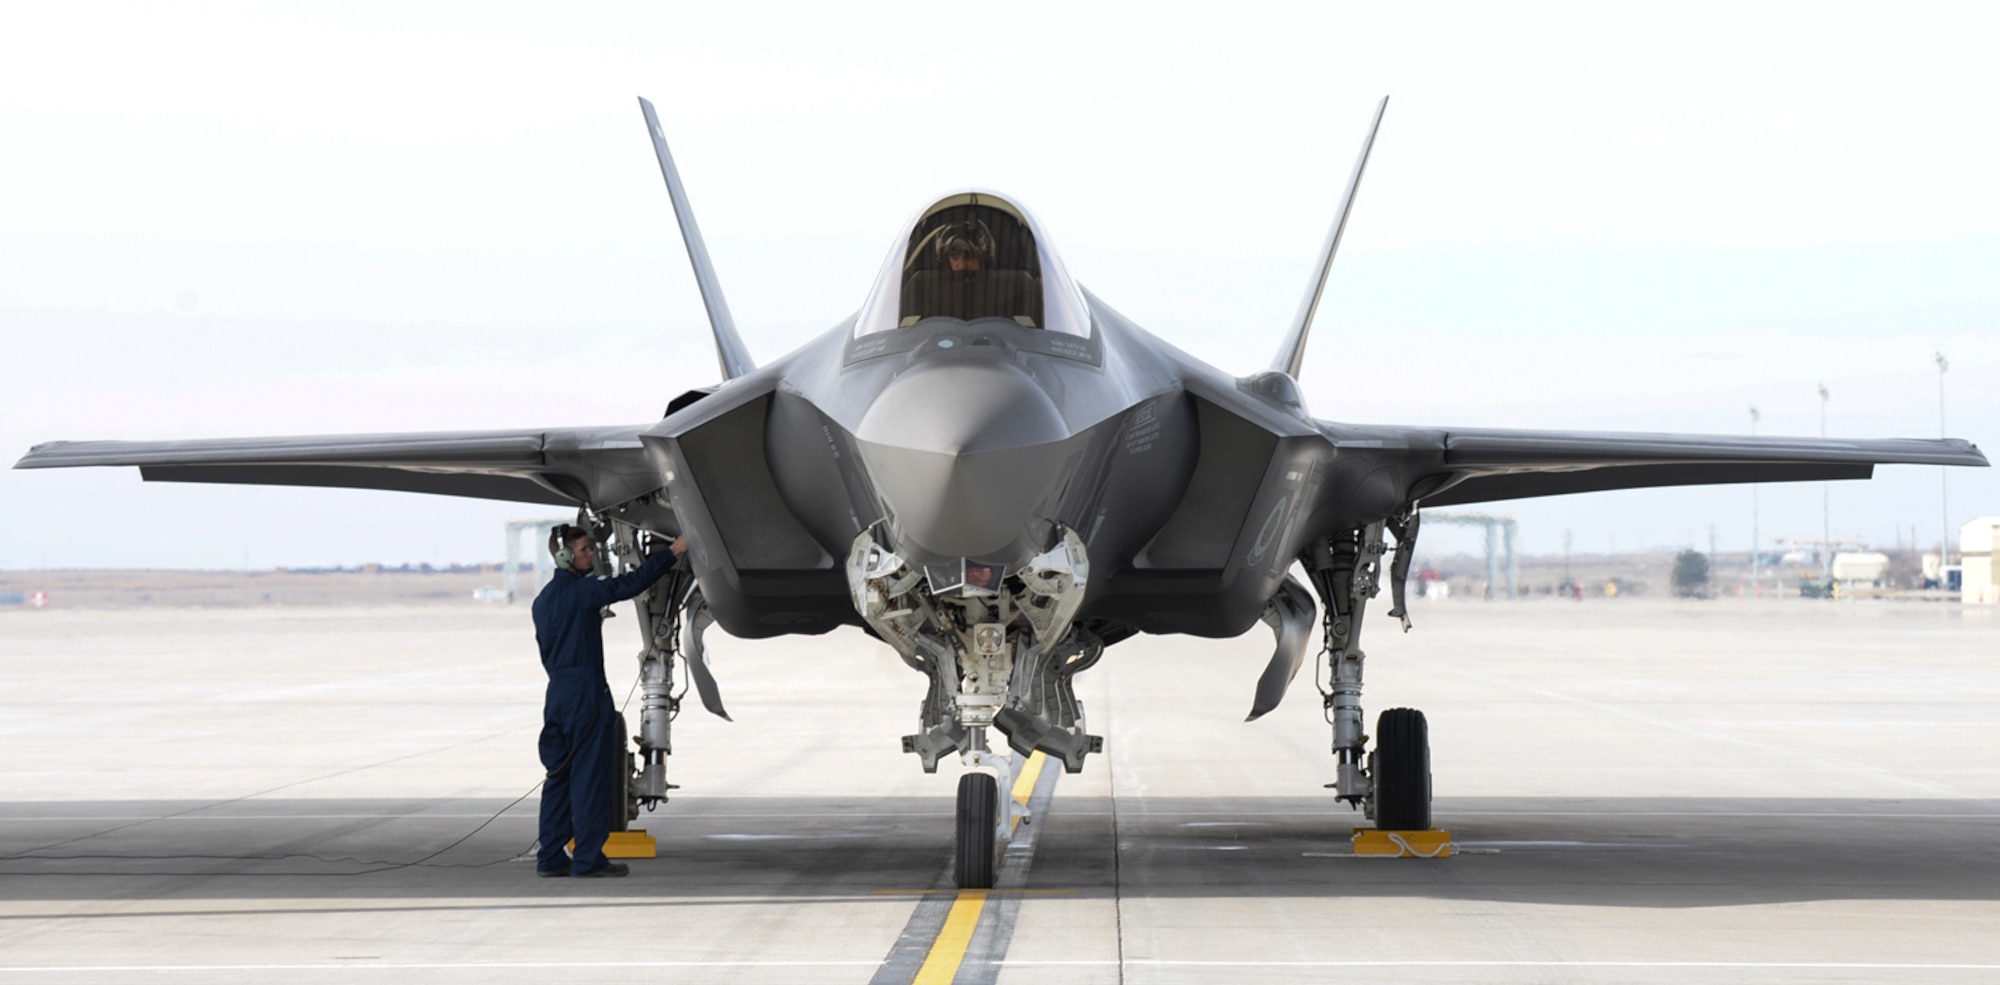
<point>966,282</point>
<point>965,246</point>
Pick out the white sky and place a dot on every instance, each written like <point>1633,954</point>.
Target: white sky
<point>223,220</point>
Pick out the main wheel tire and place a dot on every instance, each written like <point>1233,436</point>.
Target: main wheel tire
<point>1402,771</point>
<point>978,814</point>
<point>621,801</point>
<point>623,808</point>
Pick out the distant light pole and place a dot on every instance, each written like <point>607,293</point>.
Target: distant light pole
<point>1756,563</point>
<point>1825,500</point>
<point>1944,492</point>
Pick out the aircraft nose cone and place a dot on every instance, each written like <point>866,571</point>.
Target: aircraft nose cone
<point>967,458</point>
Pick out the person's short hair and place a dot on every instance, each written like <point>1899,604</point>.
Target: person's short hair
<point>566,535</point>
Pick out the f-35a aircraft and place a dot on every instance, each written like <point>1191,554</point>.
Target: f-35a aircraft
<point>1000,477</point>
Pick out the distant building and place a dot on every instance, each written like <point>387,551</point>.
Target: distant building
<point>1977,541</point>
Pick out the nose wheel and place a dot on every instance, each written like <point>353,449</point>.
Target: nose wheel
<point>978,831</point>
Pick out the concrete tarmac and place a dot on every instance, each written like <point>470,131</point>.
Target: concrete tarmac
<point>1643,791</point>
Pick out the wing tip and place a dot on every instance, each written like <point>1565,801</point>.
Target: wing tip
<point>37,455</point>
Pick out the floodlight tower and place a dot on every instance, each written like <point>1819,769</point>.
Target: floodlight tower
<point>1944,491</point>
<point>1825,500</point>
<point>1756,566</point>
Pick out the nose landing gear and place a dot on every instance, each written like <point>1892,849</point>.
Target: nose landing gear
<point>1000,651</point>
<point>986,814</point>
<point>978,854</point>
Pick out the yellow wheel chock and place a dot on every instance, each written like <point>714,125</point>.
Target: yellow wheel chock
<point>635,843</point>
<point>1402,844</point>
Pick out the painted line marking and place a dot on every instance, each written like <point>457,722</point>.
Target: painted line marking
<point>434,965</point>
<point>989,892</point>
<point>1024,784</point>
<point>259,817</point>
<point>523,813</point>
<point>1455,850</point>
<point>1099,963</point>
<point>954,931</point>
<point>1024,788</point>
<point>940,967</point>
<point>987,953</point>
<point>948,951</point>
<point>1807,965</point>
<point>1610,813</point>
<point>693,816</point>
<point>1838,815</point>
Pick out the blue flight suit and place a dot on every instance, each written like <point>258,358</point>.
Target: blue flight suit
<point>582,733</point>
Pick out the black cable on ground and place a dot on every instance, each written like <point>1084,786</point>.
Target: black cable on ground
<point>382,865</point>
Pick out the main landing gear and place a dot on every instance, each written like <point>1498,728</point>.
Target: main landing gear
<point>1401,769</point>
<point>642,783</point>
<point>1392,784</point>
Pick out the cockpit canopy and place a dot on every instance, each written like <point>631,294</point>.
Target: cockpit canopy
<point>973,256</point>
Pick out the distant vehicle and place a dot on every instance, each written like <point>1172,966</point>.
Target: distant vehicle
<point>1860,568</point>
<point>999,476</point>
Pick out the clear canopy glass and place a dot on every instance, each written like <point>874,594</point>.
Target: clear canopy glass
<point>972,256</point>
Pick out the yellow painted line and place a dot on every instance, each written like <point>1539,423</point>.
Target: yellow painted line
<point>1024,786</point>
<point>955,937</point>
<point>989,892</point>
<point>941,965</point>
<point>1031,771</point>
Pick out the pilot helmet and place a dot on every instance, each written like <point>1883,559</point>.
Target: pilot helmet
<point>969,236</point>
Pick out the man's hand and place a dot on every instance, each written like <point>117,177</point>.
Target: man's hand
<point>679,546</point>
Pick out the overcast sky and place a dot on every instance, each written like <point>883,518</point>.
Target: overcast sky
<point>221,220</point>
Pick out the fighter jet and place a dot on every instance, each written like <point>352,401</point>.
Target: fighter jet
<point>998,476</point>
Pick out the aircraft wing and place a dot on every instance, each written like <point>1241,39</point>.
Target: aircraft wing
<point>601,466</point>
<point>1482,465</point>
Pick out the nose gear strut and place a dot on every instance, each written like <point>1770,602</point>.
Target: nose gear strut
<point>999,655</point>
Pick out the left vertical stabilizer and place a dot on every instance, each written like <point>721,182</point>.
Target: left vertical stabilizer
<point>729,348</point>
<point>1294,351</point>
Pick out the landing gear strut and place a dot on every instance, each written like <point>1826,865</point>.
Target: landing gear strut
<point>1392,784</point>
<point>643,776</point>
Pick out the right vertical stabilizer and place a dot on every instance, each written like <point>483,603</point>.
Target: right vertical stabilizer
<point>729,350</point>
